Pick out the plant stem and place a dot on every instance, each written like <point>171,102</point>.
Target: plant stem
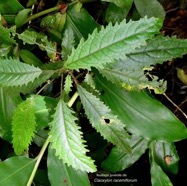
<point>34,16</point>
<point>44,147</point>
<point>72,100</point>
<point>38,159</point>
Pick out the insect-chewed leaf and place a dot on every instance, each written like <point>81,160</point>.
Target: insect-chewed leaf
<point>165,155</point>
<point>133,108</point>
<point>23,126</point>
<point>131,76</point>
<point>28,37</point>
<point>5,36</point>
<point>103,120</point>
<point>14,73</point>
<point>112,42</point>
<point>34,38</point>
<point>67,139</point>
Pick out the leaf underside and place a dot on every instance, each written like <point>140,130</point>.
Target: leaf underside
<point>112,42</point>
<point>103,120</point>
<point>15,73</point>
<point>67,139</point>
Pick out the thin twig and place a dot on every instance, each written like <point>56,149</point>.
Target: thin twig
<point>177,107</point>
<point>180,105</point>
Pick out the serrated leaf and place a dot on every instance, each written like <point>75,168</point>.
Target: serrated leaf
<point>67,139</point>
<point>68,42</point>
<point>112,42</point>
<point>60,174</point>
<point>33,38</point>
<point>89,80</point>
<point>16,171</point>
<point>48,46</point>
<point>158,50</point>
<point>4,49</point>
<point>150,8</point>
<point>28,36</point>
<point>119,160</point>
<point>23,126</point>
<point>158,177</point>
<point>142,114</point>
<point>103,120</point>
<point>67,87</point>
<point>15,73</point>
<point>31,86</point>
<point>132,77</point>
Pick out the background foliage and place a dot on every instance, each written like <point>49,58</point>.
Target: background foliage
<point>78,96</point>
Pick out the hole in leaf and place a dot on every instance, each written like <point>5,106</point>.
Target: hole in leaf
<point>107,121</point>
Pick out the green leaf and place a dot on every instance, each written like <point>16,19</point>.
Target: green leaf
<point>28,36</point>
<point>5,36</point>
<point>131,76</point>
<point>142,114</point>
<point>22,16</point>
<point>112,42</point>
<point>115,13</point>
<point>16,171</point>
<point>165,155</point>
<point>158,177</point>
<point>43,108</point>
<point>30,58</point>
<point>60,174</point>
<point>68,42</point>
<point>103,120</point>
<point>150,8</point>
<point>82,23</point>
<point>119,160</point>
<point>67,139</point>
<point>31,86</point>
<point>181,75</point>
<point>8,105</point>
<point>33,38</point>
<point>121,3</point>
<point>49,47</point>
<point>14,73</point>
<point>23,126</point>
<point>67,87</point>
<point>9,9</point>
<point>158,50</point>
<point>5,49</point>
<point>55,21</point>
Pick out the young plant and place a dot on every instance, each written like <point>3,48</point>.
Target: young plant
<point>113,64</point>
